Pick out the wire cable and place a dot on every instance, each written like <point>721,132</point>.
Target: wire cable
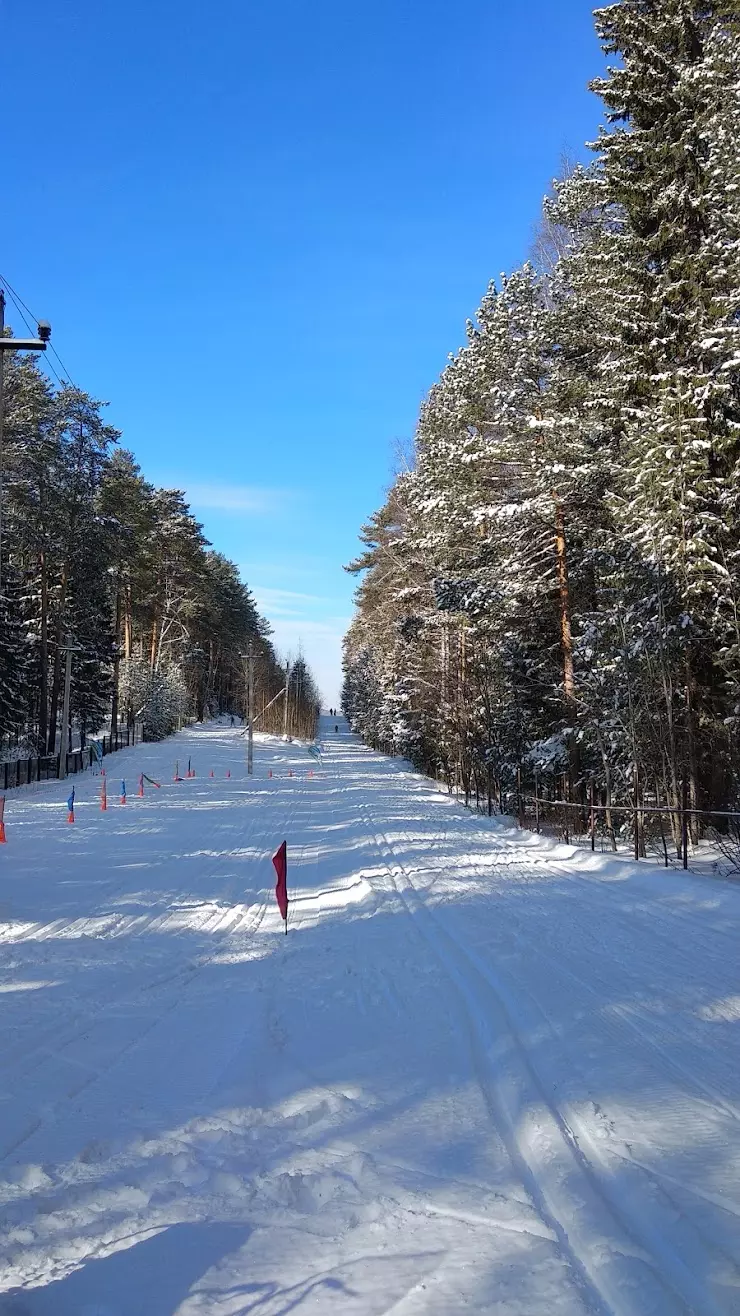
<point>23,311</point>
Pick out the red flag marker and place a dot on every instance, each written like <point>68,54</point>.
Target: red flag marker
<point>228,772</point>
<point>103,794</point>
<point>280,861</point>
<point>269,772</point>
<point>210,774</point>
<point>3,837</point>
<point>140,791</point>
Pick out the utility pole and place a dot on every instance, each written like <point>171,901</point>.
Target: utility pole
<point>13,345</point>
<point>2,421</point>
<point>285,705</point>
<point>64,737</point>
<point>250,707</point>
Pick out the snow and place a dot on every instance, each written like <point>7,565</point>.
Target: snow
<point>482,1073</point>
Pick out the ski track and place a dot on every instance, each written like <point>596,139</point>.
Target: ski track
<point>559,1200</point>
<point>480,1074</point>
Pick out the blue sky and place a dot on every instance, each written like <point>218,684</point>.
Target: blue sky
<point>258,230</point>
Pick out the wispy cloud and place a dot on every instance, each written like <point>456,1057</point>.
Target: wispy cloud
<point>225,497</point>
<point>321,642</point>
<point>288,603</point>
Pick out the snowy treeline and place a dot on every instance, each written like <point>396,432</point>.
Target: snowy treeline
<point>93,551</point>
<point>556,578</point>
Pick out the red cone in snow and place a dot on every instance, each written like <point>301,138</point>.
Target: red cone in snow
<point>280,861</point>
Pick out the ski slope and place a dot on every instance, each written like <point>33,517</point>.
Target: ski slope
<point>481,1074</point>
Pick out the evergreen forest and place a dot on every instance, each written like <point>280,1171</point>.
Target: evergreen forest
<point>95,556</point>
<point>551,590</point>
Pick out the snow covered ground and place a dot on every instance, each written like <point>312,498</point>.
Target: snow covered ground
<point>480,1075</point>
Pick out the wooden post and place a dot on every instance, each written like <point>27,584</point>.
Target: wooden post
<point>536,801</point>
<point>685,822</point>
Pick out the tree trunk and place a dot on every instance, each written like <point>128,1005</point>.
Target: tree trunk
<point>116,658</point>
<point>566,640</point>
<point>608,793</point>
<point>691,755</point>
<point>57,673</point>
<point>127,622</point>
<point>44,656</point>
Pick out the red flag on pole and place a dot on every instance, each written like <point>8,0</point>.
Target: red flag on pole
<point>280,860</point>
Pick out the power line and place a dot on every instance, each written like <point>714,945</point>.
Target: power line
<point>24,310</point>
<point>21,307</point>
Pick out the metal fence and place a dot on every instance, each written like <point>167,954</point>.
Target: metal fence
<point>45,767</point>
<point>665,830</point>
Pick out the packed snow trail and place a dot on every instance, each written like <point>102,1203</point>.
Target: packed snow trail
<point>482,1073</point>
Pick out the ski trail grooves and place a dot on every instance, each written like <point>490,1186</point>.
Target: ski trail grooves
<point>469,1079</point>
<point>550,1164</point>
<point>217,924</point>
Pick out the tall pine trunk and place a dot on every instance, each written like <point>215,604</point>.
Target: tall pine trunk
<point>566,641</point>
<point>116,658</point>
<point>57,672</point>
<point>44,655</point>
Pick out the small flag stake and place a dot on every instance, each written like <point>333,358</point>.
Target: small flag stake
<point>123,792</point>
<point>3,837</point>
<point>71,807</point>
<point>280,862</point>
<point>140,791</point>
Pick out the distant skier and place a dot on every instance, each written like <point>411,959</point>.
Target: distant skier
<point>336,728</point>
<point>232,720</point>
